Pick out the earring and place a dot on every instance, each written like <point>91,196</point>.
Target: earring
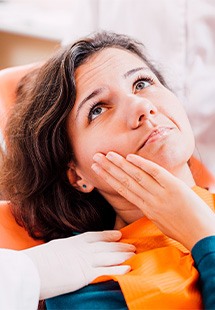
<point>84,186</point>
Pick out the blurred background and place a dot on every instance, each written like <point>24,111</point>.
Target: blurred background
<point>178,34</point>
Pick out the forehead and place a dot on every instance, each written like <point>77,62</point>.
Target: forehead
<point>105,62</point>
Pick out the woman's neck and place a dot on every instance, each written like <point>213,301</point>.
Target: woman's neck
<point>184,174</point>
<point>126,212</point>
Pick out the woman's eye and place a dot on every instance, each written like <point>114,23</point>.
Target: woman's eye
<point>95,112</point>
<point>139,85</point>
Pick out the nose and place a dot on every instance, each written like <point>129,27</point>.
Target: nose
<point>139,110</point>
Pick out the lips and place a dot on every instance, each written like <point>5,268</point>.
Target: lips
<point>156,134</point>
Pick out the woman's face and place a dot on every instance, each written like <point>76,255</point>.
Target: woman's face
<point>121,106</point>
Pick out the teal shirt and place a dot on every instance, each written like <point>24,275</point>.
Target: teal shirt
<point>204,256</point>
<point>99,296</point>
<point>108,295</point>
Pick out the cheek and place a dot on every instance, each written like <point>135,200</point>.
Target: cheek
<point>186,141</point>
<point>86,147</point>
<point>83,151</point>
<point>174,110</point>
<point>182,121</point>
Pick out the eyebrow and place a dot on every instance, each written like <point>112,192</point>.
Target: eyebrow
<point>98,91</point>
<point>132,71</point>
<point>95,93</point>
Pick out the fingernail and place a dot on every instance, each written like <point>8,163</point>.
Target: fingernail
<point>110,155</point>
<point>129,156</point>
<point>97,157</point>
<point>95,168</point>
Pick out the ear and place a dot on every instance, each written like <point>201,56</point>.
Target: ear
<point>77,180</point>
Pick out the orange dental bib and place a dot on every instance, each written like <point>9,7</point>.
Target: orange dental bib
<point>163,275</point>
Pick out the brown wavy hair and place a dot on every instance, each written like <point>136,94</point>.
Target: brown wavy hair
<point>34,166</point>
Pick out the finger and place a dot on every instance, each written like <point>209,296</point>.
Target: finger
<point>131,178</point>
<point>113,247</point>
<point>106,235</point>
<point>113,270</point>
<point>110,259</point>
<point>158,173</point>
<point>128,174</point>
<point>139,175</point>
<point>118,179</point>
<point>112,169</point>
<point>124,190</point>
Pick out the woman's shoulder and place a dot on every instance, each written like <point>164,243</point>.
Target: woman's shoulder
<point>12,235</point>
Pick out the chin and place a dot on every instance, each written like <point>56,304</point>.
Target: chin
<point>171,162</point>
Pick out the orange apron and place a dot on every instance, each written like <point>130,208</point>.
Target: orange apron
<point>163,275</point>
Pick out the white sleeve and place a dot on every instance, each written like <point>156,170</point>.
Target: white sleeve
<point>19,281</point>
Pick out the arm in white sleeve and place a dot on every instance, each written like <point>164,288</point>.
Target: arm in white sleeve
<point>19,281</point>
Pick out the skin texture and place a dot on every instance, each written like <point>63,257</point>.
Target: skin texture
<point>131,106</point>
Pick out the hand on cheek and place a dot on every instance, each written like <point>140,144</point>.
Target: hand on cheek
<point>162,197</point>
<point>131,177</point>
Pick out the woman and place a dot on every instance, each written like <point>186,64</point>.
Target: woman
<point>101,95</point>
